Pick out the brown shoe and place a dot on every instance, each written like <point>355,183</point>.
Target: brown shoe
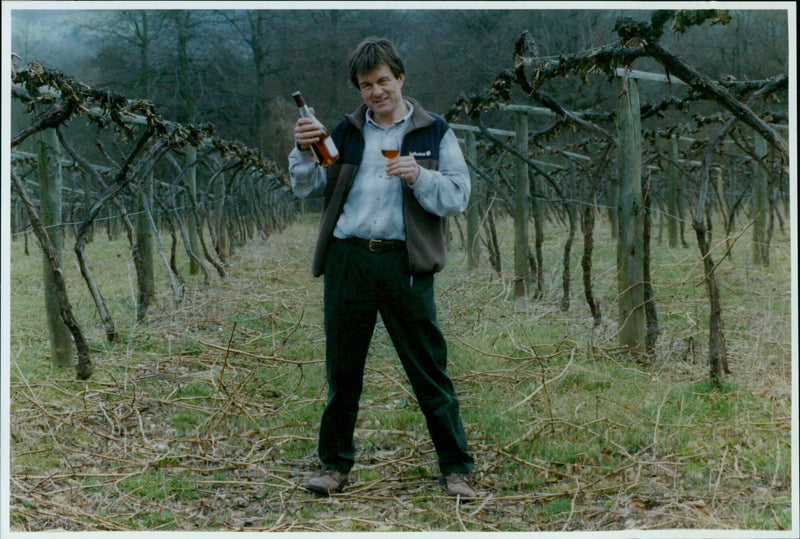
<point>458,484</point>
<point>327,482</point>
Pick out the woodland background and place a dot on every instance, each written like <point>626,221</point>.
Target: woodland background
<point>238,69</point>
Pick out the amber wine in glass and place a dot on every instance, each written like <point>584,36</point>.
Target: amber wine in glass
<point>390,147</point>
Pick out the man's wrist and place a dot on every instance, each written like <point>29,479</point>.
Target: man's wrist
<point>413,180</point>
<point>423,181</point>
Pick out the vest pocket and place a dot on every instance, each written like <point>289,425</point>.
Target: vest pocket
<point>430,164</point>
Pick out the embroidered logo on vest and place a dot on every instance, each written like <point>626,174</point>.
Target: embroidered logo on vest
<point>420,154</point>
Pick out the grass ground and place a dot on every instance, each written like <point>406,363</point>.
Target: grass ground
<point>204,416</point>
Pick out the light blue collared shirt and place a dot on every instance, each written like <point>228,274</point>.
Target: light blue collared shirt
<point>374,206</point>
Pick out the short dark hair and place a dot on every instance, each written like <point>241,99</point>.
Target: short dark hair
<point>371,53</point>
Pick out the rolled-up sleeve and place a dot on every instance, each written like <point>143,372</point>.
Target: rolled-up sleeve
<point>445,192</point>
<point>307,177</point>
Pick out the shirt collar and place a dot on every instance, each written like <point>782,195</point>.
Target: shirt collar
<point>396,123</point>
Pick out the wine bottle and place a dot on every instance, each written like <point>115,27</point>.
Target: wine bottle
<point>324,150</point>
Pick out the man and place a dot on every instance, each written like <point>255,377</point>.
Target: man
<point>381,239</point>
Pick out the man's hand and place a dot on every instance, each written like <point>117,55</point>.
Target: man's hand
<point>306,133</point>
<point>404,167</point>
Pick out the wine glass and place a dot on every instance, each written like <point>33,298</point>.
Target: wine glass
<point>390,147</point>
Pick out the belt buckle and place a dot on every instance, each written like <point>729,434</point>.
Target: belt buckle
<point>374,246</point>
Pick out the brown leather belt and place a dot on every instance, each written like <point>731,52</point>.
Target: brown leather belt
<point>377,246</point>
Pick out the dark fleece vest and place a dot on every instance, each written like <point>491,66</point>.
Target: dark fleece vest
<point>425,232</point>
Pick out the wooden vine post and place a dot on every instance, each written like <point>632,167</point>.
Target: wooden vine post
<point>219,216</point>
<point>50,188</point>
<point>83,366</point>
<point>473,209</point>
<point>630,248</point>
<point>144,246</point>
<point>522,204</point>
<point>673,189</point>
<point>191,226</point>
<point>476,220</point>
<point>760,205</point>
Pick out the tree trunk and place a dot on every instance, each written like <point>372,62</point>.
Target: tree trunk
<point>612,195</point>
<point>51,203</point>
<point>83,367</point>
<point>717,350</point>
<point>142,249</point>
<point>144,246</point>
<point>174,278</point>
<point>259,25</point>
<point>186,108</point>
<point>587,227</point>
<point>538,228</point>
<point>122,180</point>
<point>629,209</point>
<point>651,314</point>
<point>571,211</point>
<point>673,192</point>
<point>760,205</point>
<point>197,221</point>
<point>722,202</point>
<point>492,244</point>
<point>178,223</point>
<point>84,233</point>
<point>522,206</point>
<point>191,219</point>
<point>94,290</point>
<point>221,244</point>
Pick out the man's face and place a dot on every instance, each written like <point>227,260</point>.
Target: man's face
<point>382,93</point>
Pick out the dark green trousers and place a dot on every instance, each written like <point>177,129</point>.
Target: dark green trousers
<point>359,284</point>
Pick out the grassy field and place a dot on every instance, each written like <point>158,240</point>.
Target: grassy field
<point>204,417</point>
